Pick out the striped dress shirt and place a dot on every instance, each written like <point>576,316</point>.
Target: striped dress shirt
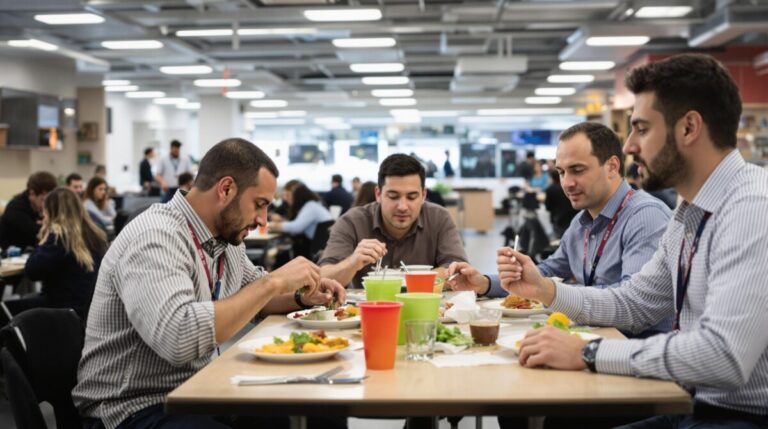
<point>151,323</point>
<point>721,349</point>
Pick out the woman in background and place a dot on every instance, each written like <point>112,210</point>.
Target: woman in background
<point>366,194</point>
<point>306,212</point>
<point>98,203</point>
<point>539,181</point>
<point>67,259</point>
<point>283,211</point>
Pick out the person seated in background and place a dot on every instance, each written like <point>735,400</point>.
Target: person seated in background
<point>306,213</point>
<point>338,196</point>
<point>355,186</point>
<point>74,183</point>
<point>21,220</point>
<point>98,203</point>
<point>539,180</point>
<point>668,195</point>
<point>283,211</point>
<point>561,212</point>
<point>366,194</point>
<point>709,270</point>
<point>100,171</point>
<point>618,227</point>
<point>67,259</point>
<point>399,226</point>
<point>157,315</point>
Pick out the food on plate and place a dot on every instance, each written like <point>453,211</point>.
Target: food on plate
<point>452,336</point>
<point>321,313</point>
<point>304,342</point>
<point>559,321</point>
<point>519,303</point>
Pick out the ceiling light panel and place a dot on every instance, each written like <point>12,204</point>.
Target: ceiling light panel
<point>392,92</point>
<point>342,15</point>
<point>617,40</point>
<point>587,65</point>
<point>115,82</point>
<point>377,67</point>
<point>374,42</point>
<point>217,83</point>
<point>663,11</point>
<point>169,100</point>
<point>268,103</point>
<point>570,78</point>
<point>197,69</point>
<point>132,44</point>
<point>69,18</point>
<point>398,102</point>
<point>145,94</point>
<point>34,44</point>
<point>386,80</point>
<point>245,95</point>
<point>121,88</point>
<point>212,32</point>
<point>543,100</point>
<point>555,91</point>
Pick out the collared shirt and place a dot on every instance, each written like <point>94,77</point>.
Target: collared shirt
<point>311,214</point>
<point>722,346</point>
<point>151,322</point>
<point>169,168</point>
<point>432,240</point>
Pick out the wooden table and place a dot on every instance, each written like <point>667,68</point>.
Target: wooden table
<point>419,388</point>
<point>8,269</point>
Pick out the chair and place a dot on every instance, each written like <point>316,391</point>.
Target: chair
<point>317,245</point>
<point>45,345</point>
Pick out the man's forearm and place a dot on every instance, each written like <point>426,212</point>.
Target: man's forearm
<point>280,304</point>
<point>343,272</point>
<point>234,312</point>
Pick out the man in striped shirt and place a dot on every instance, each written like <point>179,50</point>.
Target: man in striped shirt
<point>709,271</point>
<point>176,283</point>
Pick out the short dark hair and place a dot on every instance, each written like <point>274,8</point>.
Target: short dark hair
<point>400,165</point>
<point>148,150</point>
<point>336,178</point>
<point>175,143</point>
<point>605,143</point>
<point>100,168</point>
<point>692,82</point>
<point>185,178</point>
<point>41,182</point>
<point>237,158</point>
<point>72,177</point>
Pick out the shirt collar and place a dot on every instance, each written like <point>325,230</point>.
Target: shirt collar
<point>378,225</point>
<point>711,195</point>
<point>610,208</point>
<point>212,245</point>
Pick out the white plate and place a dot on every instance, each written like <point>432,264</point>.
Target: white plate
<point>514,312</point>
<point>510,342</point>
<point>352,322</point>
<point>250,346</point>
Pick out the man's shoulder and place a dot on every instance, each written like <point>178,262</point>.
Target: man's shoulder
<point>361,215</point>
<point>644,201</point>
<point>158,217</point>
<point>434,211</point>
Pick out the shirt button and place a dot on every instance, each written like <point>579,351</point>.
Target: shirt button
<point>592,236</point>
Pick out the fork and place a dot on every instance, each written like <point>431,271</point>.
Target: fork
<point>321,378</point>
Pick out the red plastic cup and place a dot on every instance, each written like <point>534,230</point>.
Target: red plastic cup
<point>420,281</point>
<point>380,322</point>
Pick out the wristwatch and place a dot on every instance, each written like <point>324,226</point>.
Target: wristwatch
<point>589,353</point>
<point>297,298</point>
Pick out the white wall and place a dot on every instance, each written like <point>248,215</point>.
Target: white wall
<point>50,76</point>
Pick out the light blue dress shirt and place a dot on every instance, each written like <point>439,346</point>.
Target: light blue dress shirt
<point>311,214</point>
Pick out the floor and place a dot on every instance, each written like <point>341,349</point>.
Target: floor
<point>481,250</point>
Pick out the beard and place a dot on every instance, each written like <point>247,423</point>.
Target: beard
<point>666,169</point>
<point>230,224</point>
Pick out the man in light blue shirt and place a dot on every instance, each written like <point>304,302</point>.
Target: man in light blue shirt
<point>618,229</point>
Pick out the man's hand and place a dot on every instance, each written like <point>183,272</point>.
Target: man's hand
<point>520,276</point>
<point>552,348</point>
<point>297,273</point>
<point>367,252</point>
<point>329,291</point>
<point>468,279</point>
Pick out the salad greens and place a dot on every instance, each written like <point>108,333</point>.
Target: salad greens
<point>452,336</point>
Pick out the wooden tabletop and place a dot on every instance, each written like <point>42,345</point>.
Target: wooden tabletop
<point>8,269</point>
<point>419,388</point>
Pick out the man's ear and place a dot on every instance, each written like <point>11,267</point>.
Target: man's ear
<point>226,188</point>
<point>692,125</point>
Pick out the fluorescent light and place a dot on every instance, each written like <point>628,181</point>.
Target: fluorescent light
<point>473,100</point>
<point>261,115</point>
<point>121,88</point>
<point>278,122</point>
<point>438,113</point>
<point>337,126</point>
<point>217,83</point>
<point>543,100</point>
<point>34,44</point>
<point>340,15</point>
<point>169,100</point>
<point>618,41</point>
<point>377,67</point>
<point>386,80</point>
<point>392,92</point>
<point>292,113</point>
<point>68,111</point>
<point>663,11</point>
<point>268,103</point>
<point>69,18</point>
<point>587,65</point>
<point>189,106</point>
<point>404,112</point>
<point>527,111</point>
<point>555,91</point>
<point>145,94</point>
<point>329,120</point>
<point>397,101</point>
<point>115,82</point>
<point>275,31</point>
<point>244,95</point>
<point>629,12</point>
<point>213,32</point>
<point>132,44</point>
<point>570,78</point>
<point>199,69</point>
<point>371,42</point>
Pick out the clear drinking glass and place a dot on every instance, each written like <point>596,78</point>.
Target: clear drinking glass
<point>484,326</point>
<point>420,339</point>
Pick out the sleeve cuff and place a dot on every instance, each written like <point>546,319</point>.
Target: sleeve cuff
<point>613,357</point>
<point>494,288</point>
<point>568,300</point>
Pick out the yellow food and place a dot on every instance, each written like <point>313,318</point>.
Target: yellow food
<point>318,344</point>
<point>517,302</point>
<point>559,317</point>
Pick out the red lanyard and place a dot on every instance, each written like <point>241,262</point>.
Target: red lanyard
<point>682,279</point>
<point>608,230</point>
<point>215,289</point>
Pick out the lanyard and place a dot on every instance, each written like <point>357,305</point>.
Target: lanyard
<point>215,289</point>
<point>682,279</point>
<point>608,230</point>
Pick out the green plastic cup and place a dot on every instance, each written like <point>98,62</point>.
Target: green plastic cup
<point>382,289</point>
<point>417,306</point>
